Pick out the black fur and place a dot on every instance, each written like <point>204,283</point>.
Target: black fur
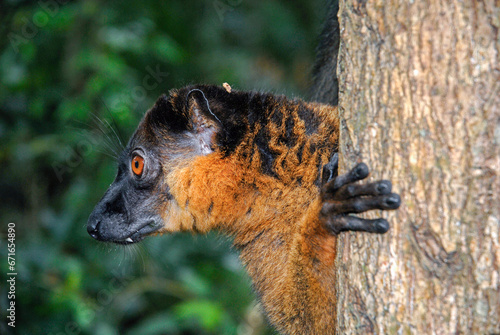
<point>325,87</point>
<point>238,113</point>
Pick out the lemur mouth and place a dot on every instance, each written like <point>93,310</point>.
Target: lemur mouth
<point>140,234</point>
<point>130,240</point>
<point>145,229</point>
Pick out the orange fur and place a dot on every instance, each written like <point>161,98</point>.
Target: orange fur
<point>274,220</point>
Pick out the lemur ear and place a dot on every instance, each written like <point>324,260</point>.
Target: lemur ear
<point>204,123</point>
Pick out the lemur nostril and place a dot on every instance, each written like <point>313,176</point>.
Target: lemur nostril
<point>92,229</point>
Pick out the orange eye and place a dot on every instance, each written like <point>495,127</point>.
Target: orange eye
<point>137,165</point>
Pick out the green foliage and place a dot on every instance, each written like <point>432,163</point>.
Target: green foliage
<point>75,78</point>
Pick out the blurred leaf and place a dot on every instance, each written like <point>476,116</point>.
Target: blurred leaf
<point>12,72</point>
<point>196,283</point>
<point>167,49</point>
<point>207,313</point>
<point>123,38</point>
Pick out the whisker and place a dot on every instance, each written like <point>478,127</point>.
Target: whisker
<point>116,135</point>
<point>87,133</point>
<point>116,146</point>
<point>114,123</point>
<point>104,140</point>
<point>104,130</point>
<point>140,249</point>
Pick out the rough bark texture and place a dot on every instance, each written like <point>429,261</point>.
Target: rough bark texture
<point>419,95</point>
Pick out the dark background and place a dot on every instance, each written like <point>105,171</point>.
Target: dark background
<point>75,79</point>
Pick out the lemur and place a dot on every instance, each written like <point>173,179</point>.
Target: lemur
<point>258,167</point>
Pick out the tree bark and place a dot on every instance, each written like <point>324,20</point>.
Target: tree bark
<point>419,103</point>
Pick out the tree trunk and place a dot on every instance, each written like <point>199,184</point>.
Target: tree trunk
<point>419,99</point>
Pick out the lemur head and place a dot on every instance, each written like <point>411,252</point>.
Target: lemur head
<point>191,122</point>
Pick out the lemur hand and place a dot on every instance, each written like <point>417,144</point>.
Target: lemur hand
<point>341,197</point>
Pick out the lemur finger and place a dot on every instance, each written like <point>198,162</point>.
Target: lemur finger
<point>359,172</point>
<point>360,205</point>
<point>381,187</point>
<point>342,223</point>
<point>331,169</point>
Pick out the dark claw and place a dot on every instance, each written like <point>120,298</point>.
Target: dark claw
<point>359,172</point>
<point>350,191</point>
<point>360,205</point>
<point>393,201</point>
<point>383,187</point>
<point>344,223</point>
<point>331,169</point>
